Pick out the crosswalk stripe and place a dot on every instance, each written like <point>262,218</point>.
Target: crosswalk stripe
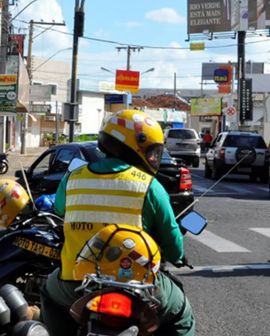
<point>263,231</point>
<point>217,243</point>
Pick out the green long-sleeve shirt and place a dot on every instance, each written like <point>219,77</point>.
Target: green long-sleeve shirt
<point>157,216</point>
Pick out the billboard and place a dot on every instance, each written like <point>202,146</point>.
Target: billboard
<point>208,69</point>
<point>215,16</point>
<point>203,107</point>
<point>127,80</point>
<point>8,93</point>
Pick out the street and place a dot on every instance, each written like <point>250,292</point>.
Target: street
<point>229,285</point>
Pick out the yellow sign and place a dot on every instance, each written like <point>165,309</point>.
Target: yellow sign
<point>206,107</point>
<point>197,46</point>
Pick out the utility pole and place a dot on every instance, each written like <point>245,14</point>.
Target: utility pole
<point>129,49</point>
<point>24,123</point>
<point>77,32</point>
<point>3,60</point>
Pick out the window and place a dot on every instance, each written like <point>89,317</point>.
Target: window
<point>53,89</point>
<point>62,160</point>
<point>181,134</point>
<point>43,166</point>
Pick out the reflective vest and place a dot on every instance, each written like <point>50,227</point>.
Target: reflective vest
<point>94,200</point>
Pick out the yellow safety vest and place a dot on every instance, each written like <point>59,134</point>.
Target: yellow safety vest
<point>94,200</point>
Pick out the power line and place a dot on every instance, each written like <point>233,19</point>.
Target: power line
<point>154,47</point>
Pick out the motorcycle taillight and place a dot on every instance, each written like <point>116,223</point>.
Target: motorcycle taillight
<point>115,304</point>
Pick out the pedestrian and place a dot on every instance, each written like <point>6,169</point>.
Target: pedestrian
<point>120,189</point>
<point>207,139</point>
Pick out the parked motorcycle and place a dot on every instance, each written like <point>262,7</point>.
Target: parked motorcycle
<point>17,318</point>
<point>3,163</point>
<point>29,251</point>
<point>124,308</point>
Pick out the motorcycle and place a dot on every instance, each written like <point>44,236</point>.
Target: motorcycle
<point>109,307</point>
<point>3,163</point>
<point>29,251</point>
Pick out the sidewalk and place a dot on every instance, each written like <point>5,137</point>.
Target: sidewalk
<point>15,157</point>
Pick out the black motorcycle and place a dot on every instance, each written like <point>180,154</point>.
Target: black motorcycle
<point>3,163</point>
<point>30,250</point>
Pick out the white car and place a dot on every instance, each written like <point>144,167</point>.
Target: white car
<point>244,152</point>
<point>184,143</point>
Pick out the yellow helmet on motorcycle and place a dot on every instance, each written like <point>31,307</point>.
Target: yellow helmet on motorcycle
<point>135,137</point>
<point>13,199</point>
<point>122,252</point>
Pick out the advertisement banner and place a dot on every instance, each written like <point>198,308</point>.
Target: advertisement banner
<point>206,107</point>
<point>226,86</point>
<point>16,44</point>
<point>126,80</point>
<point>246,105</point>
<point>215,16</point>
<point>8,94</point>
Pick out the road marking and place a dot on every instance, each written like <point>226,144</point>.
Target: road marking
<point>217,243</point>
<point>201,189</point>
<point>239,190</point>
<point>221,268</point>
<point>263,231</point>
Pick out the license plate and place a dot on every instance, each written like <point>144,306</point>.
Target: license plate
<point>37,248</point>
<point>244,170</point>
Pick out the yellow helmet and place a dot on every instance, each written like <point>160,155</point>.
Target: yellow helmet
<point>13,199</point>
<point>133,136</point>
<point>121,251</point>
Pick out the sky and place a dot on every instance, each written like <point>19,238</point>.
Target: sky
<point>157,27</point>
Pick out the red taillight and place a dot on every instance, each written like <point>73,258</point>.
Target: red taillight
<point>185,182</point>
<point>112,304</point>
<point>222,153</point>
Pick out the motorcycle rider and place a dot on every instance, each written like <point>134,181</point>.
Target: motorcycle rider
<point>120,189</point>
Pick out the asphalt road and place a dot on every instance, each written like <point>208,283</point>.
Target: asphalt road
<point>229,287</point>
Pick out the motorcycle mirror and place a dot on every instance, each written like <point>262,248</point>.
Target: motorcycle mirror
<point>76,163</point>
<point>193,222</point>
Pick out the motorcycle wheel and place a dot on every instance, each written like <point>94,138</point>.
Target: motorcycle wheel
<point>3,167</point>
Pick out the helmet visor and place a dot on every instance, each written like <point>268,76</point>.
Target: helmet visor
<point>153,155</point>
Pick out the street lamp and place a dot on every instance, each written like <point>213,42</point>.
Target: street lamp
<point>48,59</point>
<point>142,73</point>
<point>146,71</point>
<point>107,70</point>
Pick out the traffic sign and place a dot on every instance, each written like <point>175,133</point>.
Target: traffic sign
<point>231,110</point>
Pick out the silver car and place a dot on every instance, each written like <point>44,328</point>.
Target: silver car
<point>184,143</point>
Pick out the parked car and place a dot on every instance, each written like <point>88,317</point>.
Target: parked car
<point>184,143</point>
<point>47,170</point>
<point>228,148</point>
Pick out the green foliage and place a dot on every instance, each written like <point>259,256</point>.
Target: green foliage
<point>85,137</point>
